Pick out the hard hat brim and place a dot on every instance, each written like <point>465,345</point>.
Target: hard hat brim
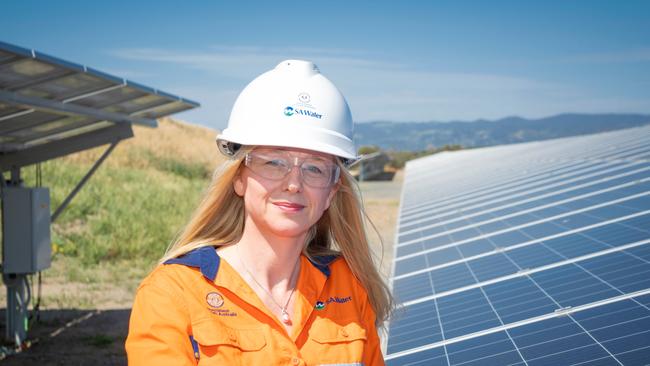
<point>328,142</point>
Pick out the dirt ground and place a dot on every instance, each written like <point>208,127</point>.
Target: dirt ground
<point>75,337</point>
<point>68,336</point>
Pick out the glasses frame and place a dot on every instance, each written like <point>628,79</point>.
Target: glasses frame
<point>297,162</point>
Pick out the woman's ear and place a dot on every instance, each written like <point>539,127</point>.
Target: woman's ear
<point>238,185</point>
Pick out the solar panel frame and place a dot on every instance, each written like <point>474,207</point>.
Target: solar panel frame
<point>44,99</point>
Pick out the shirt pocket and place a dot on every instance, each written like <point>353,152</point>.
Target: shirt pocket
<point>338,341</point>
<point>220,344</point>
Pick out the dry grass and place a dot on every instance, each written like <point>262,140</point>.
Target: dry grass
<point>171,139</point>
<point>381,202</point>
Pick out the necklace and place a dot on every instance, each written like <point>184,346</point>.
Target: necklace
<point>283,309</point>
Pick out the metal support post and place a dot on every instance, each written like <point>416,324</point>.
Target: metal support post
<point>18,292</point>
<point>18,297</point>
<point>83,181</point>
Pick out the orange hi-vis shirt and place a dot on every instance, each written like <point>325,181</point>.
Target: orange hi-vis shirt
<point>196,309</point>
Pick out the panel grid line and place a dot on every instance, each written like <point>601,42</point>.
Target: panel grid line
<point>527,272</point>
<point>518,183</point>
<point>535,198</point>
<point>435,304</point>
<point>524,244</point>
<point>591,273</point>
<point>593,207</point>
<point>532,210</point>
<point>528,321</point>
<point>569,315</point>
<point>544,166</point>
<point>471,271</point>
<point>594,339</point>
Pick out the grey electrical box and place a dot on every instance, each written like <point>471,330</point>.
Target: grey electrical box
<point>26,226</point>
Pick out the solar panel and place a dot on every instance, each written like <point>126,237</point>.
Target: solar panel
<point>44,99</point>
<point>527,254</point>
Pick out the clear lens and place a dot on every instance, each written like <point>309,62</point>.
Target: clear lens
<point>315,172</point>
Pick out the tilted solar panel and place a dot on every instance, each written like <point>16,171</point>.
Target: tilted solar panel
<point>45,99</point>
<point>527,254</point>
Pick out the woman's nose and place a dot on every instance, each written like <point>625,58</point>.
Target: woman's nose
<point>294,180</point>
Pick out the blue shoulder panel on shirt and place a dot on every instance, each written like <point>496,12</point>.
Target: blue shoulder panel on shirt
<point>323,263</point>
<point>207,261</point>
<point>204,258</point>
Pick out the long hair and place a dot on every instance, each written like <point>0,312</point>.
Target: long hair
<point>219,220</point>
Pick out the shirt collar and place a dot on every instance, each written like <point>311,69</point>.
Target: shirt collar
<point>203,258</point>
<point>207,261</point>
<point>323,263</point>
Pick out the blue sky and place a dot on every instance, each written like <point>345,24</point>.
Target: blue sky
<point>398,61</point>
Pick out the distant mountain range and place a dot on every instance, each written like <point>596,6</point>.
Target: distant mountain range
<point>416,136</point>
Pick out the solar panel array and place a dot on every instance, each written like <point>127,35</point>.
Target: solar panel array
<point>44,99</point>
<point>526,254</point>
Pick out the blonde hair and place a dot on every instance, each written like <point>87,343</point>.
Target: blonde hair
<point>219,220</point>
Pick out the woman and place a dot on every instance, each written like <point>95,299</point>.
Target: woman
<point>274,268</point>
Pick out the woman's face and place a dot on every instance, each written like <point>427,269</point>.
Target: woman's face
<point>285,205</point>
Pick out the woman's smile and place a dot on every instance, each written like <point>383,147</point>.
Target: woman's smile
<point>289,206</point>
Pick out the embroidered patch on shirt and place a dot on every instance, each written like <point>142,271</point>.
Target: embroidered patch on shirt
<point>214,299</point>
<point>320,305</point>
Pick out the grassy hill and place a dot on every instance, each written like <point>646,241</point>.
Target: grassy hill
<point>135,203</point>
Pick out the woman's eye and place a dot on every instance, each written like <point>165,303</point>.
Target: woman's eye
<point>276,163</point>
<point>314,169</point>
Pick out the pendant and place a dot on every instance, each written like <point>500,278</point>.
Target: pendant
<point>285,317</point>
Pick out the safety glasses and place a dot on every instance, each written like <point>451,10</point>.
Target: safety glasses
<point>315,172</point>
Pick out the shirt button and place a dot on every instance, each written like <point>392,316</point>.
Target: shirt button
<point>232,337</point>
<point>295,361</point>
<point>344,333</point>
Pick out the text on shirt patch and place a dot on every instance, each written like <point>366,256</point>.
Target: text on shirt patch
<point>320,305</point>
<point>222,312</point>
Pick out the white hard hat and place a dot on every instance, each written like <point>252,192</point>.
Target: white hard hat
<point>292,105</point>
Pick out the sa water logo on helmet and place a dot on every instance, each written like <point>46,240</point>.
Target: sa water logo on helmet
<point>305,107</point>
<point>293,105</point>
<point>288,111</point>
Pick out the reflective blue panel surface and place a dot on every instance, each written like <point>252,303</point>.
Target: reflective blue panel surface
<point>416,327</point>
<point>612,334</point>
<point>529,254</point>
